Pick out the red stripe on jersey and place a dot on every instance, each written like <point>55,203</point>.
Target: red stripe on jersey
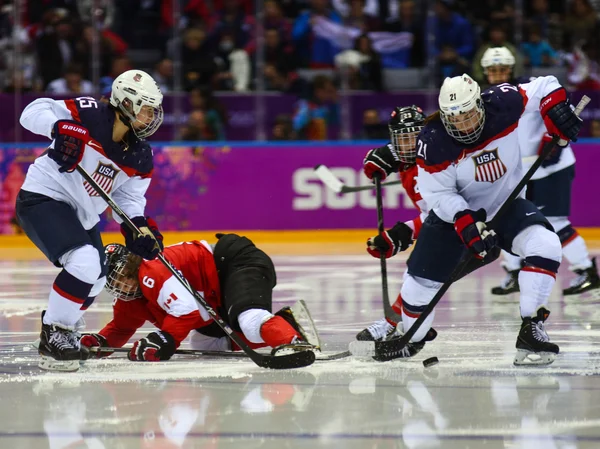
<point>73,110</point>
<point>539,270</point>
<point>417,222</point>
<point>66,295</point>
<point>435,168</point>
<point>570,239</point>
<point>97,146</point>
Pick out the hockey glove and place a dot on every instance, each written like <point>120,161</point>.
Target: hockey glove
<point>554,156</point>
<point>147,245</point>
<point>391,241</point>
<point>472,230</point>
<point>70,138</point>
<point>559,115</point>
<point>95,340</point>
<point>382,160</point>
<point>154,347</point>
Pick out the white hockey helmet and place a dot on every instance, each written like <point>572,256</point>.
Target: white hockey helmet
<point>461,108</point>
<point>497,56</point>
<point>133,91</point>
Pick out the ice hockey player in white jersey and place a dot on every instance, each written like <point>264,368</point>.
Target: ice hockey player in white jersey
<point>59,211</point>
<point>469,158</point>
<point>549,190</point>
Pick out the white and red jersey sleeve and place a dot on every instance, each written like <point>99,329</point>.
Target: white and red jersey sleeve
<point>409,182</point>
<point>182,313</point>
<point>128,317</point>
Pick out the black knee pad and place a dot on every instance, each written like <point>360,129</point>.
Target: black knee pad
<point>566,234</point>
<point>246,274</point>
<point>245,289</point>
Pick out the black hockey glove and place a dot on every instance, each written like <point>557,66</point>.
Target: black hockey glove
<point>382,160</point>
<point>154,347</point>
<point>147,245</point>
<point>559,115</point>
<point>472,230</point>
<point>391,241</point>
<point>70,138</point>
<point>95,340</point>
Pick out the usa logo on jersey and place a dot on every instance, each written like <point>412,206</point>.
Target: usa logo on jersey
<point>104,175</point>
<point>488,166</point>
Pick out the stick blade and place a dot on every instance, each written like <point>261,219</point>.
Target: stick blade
<point>298,359</point>
<point>328,178</point>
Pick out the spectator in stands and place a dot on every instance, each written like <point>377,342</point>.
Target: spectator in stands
<point>55,47</point>
<point>313,117</point>
<point>232,20</point>
<point>37,10</point>
<point>410,21</point>
<point>233,65</point>
<point>537,52</point>
<point>274,19</point>
<point>17,83</point>
<point>84,52</point>
<point>283,128</point>
<point>450,64</point>
<point>119,65</point>
<point>357,18</point>
<point>373,129</point>
<point>580,21</point>
<point>163,75</point>
<point>285,82</point>
<point>278,52</point>
<point>196,128</point>
<point>482,13</point>
<point>496,38</point>
<point>595,129</point>
<point>71,83</point>
<point>450,28</point>
<point>312,50</point>
<point>362,65</point>
<point>215,115</point>
<point>198,66</point>
<point>584,66</point>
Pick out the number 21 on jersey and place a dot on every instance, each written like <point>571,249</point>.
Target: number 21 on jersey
<point>422,150</point>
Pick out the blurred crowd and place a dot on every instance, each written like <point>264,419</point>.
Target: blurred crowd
<point>49,46</point>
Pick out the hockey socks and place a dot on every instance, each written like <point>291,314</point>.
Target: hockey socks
<point>536,280</point>
<point>67,296</point>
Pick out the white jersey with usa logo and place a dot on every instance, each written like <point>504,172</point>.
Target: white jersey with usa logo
<point>122,169</point>
<point>454,176</point>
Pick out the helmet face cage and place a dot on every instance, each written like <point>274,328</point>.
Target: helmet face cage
<point>127,108</point>
<point>405,125</point>
<point>465,126</point>
<point>121,280</point>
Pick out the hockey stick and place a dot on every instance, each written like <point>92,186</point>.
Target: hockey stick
<point>387,307</point>
<point>220,354</point>
<point>208,353</point>
<point>333,182</point>
<point>390,349</point>
<point>294,360</point>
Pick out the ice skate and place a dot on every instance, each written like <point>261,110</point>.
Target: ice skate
<point>533,344</point>
<point>386,350</point>
<point>509,285</point>
<point>587,280</point>
<point>299,342</point>
<point>378,331</point>
<point>59,348</point>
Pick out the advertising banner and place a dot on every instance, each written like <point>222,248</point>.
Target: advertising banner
<point>271,187</point>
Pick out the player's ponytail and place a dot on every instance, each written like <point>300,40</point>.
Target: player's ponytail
<point>433,117</point>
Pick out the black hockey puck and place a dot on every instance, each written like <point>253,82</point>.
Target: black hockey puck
<point>430,362</point>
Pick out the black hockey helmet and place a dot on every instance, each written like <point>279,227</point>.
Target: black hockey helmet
<point>404,125</point>
<point>121,279</point>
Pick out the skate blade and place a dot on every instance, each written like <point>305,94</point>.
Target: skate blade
<point>528,358</point>
<point>306,323</point>
<point>49,364</point>
<point>362,348</point>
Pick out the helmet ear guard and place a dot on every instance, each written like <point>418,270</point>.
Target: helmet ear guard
<point>404,125</point>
